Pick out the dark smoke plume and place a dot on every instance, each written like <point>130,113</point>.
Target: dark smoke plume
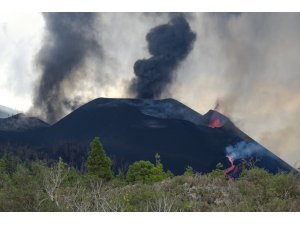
<point>168,44</point>
<point>68,41</point>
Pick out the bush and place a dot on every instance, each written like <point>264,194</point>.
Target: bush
<point>218,172</point>
<point>146,172</point>
<point>34,186</point>
<point>188,171</point>
<point>141,171</point>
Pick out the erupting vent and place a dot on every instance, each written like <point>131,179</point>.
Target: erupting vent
<point>216,120</point>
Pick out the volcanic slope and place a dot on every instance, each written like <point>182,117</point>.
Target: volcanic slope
<point>7,112</point>
<point>136,129</point>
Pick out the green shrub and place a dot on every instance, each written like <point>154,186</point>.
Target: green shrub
<point>218,172</point>
<point>188,171</point>
<point>147,172</point>
<point>141,171</point>
<point>34,186</point>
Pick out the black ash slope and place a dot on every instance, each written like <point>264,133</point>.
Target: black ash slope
<point>136,129</point>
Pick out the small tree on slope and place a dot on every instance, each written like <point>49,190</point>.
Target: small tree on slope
<point>98,163</point>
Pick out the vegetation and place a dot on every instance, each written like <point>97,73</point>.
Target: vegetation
<point>98,163</point>
<point>37,186</point>
<point>188,171</point>
<point>146,172</point>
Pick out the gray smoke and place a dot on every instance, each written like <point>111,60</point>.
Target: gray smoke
<point>168,44</point>
<point>249,62</point>
<point>243,150</point>
<point>69,40</point>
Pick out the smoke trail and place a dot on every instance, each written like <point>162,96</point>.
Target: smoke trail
<point>68,42</point>
<point>168,44</point>
<point>243,150</point>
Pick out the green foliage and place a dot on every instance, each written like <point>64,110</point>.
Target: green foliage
<point>120,179</point>
<point>2,166</point>
<point>157,160</point>
<point>262,191</point>
<point>146,172</point>
<point>140,171</point>
<point>20,187</point>
<point>188,171</point>
<point>169,174</point>
<point>120,175</point>
<point>8,164</point>
<point>98,163</point>
<point>219,165</point>
<point>69,174</point>
<point>285,185</point>
<point>218,172</point>
<point>36,186</point>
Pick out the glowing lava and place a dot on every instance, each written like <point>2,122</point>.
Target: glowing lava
<point>215,121</point>
<point>231,168</point>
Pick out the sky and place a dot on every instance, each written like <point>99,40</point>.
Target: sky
<point>248,63</point>
<point>20,39</point>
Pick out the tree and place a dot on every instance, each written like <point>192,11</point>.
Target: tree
<point>147,172</point>
<point>140,171</point>
<point>158,171</point>
<point>188,171</point>
<point>218,172</point>
<point>98,163</point>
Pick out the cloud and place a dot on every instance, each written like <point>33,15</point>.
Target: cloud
<point>20,37</point>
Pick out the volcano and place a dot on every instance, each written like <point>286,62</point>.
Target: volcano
<point>20,122</point>
<point>7,112</point>
<point>137,129</point>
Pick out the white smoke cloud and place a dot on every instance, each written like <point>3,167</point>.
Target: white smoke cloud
<point>20,37</point>
<point>243,150</point>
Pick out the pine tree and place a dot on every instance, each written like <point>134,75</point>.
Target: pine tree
<point>98,163</point>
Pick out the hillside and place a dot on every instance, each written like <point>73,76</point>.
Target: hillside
<point>136,129</point>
